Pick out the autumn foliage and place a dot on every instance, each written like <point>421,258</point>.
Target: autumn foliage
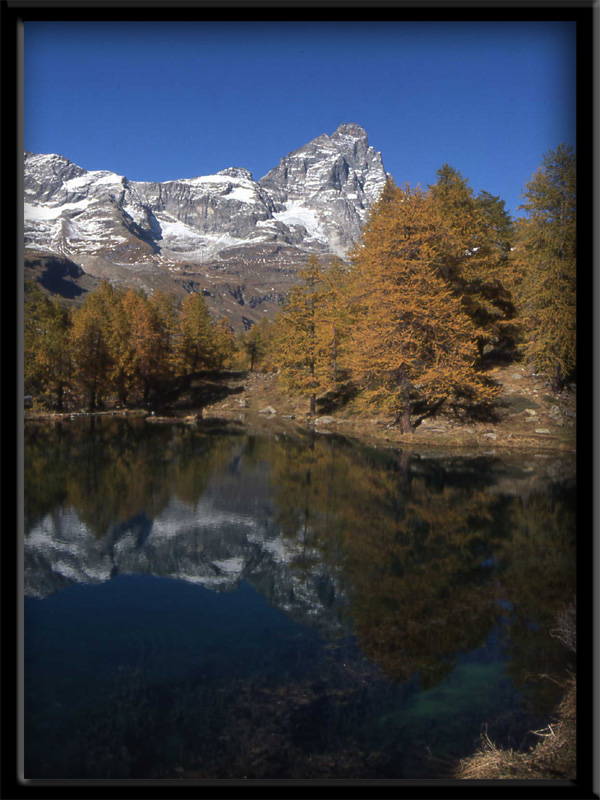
<point>119,347</point>
<point>413,344</point>
<point>545,263</point>
<point>440,280</point>
<point>309,330</point>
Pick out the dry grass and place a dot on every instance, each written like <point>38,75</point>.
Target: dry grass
<point>554,757</point>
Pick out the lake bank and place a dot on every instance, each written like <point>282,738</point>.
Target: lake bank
<point>528,415</point>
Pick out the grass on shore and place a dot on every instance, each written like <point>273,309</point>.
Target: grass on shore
<point>554,756</point>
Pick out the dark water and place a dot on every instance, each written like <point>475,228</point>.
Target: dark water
<point>205,603</point>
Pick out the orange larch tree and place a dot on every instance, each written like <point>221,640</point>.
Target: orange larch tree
<point>47,363</point>
<point>472,256</point>
<point>413,346</point>
<point>303,351</point>
<point>195,344</point>
<point>91,346</point>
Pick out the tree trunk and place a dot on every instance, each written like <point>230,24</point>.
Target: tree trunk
<point>403,419</point>
<point>313,397</point>
<point>557,380</point>
<point>121,388</point>
<point>403,413</point>
<point>335,364</point>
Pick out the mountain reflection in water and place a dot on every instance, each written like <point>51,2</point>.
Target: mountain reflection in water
<point>205,603</point>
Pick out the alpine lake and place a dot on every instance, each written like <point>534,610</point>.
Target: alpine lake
<point>204,602</point>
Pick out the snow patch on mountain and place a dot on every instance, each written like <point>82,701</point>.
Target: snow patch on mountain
<point>35,212</point>
<point>296,214</point>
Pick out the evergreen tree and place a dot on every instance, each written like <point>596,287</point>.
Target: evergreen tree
<point>452,200</point>
<point>412,345</point>
<point>498,311</point>
<point>546,257</point>
<point>499,232</point>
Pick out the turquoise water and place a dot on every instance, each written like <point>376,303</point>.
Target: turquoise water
<point>209,604</point>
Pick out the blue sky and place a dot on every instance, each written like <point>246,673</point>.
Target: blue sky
<point>159,101</point>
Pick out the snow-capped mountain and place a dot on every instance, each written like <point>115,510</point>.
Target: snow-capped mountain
<point>237,239</point>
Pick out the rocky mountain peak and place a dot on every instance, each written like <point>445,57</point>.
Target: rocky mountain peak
<point>211,230</point>
<point>350,130</point>
<point>339,177</point>
<point>237,172</point>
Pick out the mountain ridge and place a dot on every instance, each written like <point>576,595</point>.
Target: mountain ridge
<point>238,240</point>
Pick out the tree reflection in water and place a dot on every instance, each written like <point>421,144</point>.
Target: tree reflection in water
<point>449,573</point>
<point>431,554</point>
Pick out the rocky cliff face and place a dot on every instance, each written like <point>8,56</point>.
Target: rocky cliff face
<point>330,183</point>
<point>236,238</point>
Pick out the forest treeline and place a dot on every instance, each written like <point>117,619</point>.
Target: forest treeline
<point>120,347</point>
<point>440,279</point>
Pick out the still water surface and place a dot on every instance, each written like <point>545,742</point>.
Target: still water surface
<point>212,604</point>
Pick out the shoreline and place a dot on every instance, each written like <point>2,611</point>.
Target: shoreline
<point>366,431</point>
<point>528,416</point>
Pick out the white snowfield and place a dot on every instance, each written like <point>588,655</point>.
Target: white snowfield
<point>307,218</point>
<point>44,212</point>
